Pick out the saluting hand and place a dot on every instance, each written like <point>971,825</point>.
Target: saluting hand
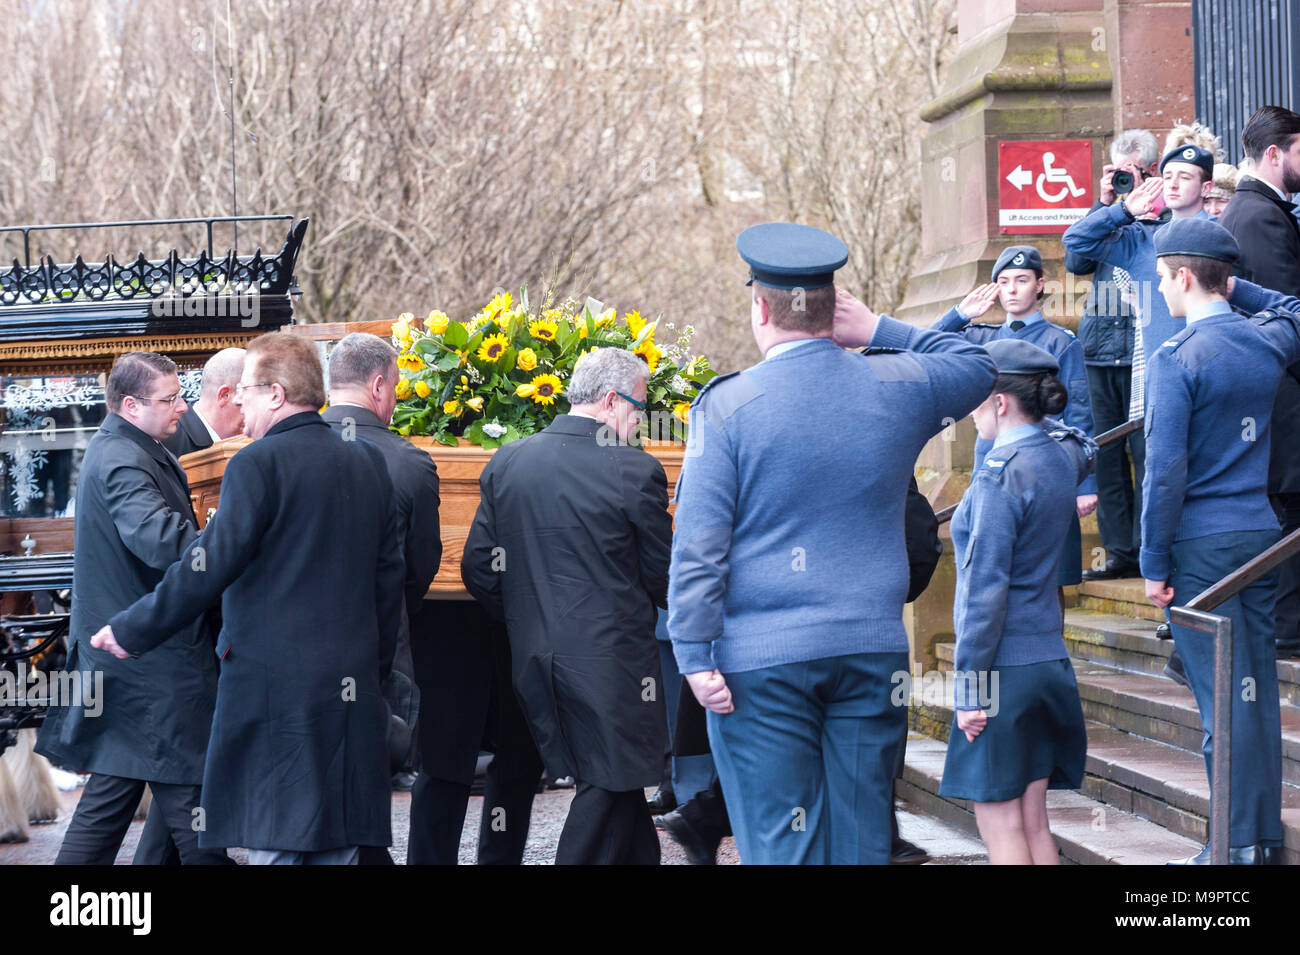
<point>1143,199</point>
<point>103,640</point>
<point>854,322</point>
<point>972,723</point>
<point>1160,593</point>
<point>979,301</point>
<point>711,691</point>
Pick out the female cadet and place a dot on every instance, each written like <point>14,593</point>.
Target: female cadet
<point>1018,287</point>
<point>1018,728</point>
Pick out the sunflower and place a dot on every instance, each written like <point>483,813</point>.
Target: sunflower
<point>493,347</point>
<point>634,323</point>
<point>422,389</point>
<point>403,389</point>
<point>527,359</point>
<point>410,361</point>
<point>649,351</point>
<point>541,389</point>
<point>437,322</point>
<point>544,329</point>
<point>499,305</point>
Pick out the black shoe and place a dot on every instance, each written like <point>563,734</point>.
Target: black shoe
<point>1239,855</point>
<point>903,852</point>
<point>1114,570</point>
<point>701,847</point>
<point>403,782</point>
<point>663,801</point>
<point>1164,633</point>
<point>1174,670</point>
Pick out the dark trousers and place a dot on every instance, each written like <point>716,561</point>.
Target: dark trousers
<point>608,828</point>
<point>1286,615</point>
<point>104,813</point>
<point>462,667</point>
<point>1119,492</point>
<point>1256,806</point>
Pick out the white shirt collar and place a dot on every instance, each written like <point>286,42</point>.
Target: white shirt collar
<point>199,414</point>
<point>1281,195</point>
<point>580,414</point>
<point>780,347</point>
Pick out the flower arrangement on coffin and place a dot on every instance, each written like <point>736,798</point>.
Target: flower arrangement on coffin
<point>503,374</point>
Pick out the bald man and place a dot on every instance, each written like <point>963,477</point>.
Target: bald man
<point>215,416</point>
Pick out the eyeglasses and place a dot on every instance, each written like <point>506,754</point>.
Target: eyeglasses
<point>241,387</point>
<point>170,399</point>
<point>631,399</point>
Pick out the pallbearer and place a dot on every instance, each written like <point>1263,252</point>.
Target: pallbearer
<point>1018,729</point>
<point>789,567</point>
<point>1205,508</point>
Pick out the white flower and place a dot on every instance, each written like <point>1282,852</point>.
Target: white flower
<point>494,430</point>
<point>679,383</point>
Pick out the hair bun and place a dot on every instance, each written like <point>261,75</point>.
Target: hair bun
<point>1052,395</point>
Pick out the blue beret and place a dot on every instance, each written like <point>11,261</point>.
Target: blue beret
<point>1194,155</point>
<point>1015,356</point>
<point>1018,257</point>
<point>786,255</point>
<point>1195,236</point>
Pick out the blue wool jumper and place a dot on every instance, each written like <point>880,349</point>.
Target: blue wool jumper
<point>1061,345</point>
<point>789,544</point>
<point>1007,535</point>
<point>1210,392</point>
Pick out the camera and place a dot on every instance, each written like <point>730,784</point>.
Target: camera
<point>1122,182</point>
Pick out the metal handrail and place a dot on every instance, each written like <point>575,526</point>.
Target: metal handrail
<point>27,230</point>
<point>1108,437</point>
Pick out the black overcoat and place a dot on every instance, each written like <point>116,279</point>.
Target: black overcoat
<point>300,552</point>
<point>1268,236</point>
<point>570,547</point>
<point>133,521</point>
<point>191,434</point>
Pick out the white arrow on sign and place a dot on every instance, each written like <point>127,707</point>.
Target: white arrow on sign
<point>1020,177</point>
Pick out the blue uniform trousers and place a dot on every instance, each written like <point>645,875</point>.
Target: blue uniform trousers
<point>807,759</point>
<point>1256,807</point>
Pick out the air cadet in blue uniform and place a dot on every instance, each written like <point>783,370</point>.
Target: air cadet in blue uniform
<point>789,567</point>
<point>1018,283</point>
<point>1205,510</point>
<point>1018,728</point>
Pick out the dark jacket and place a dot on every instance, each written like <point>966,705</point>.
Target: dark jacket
<point>1268,236</point>
<point>133,521</point>
<point>570,546</point>
<point>190,435</point>
<point>1106,326</point>
<point>419,541</point>
<point>300,553</point>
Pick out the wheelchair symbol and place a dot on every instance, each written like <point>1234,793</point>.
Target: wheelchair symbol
<point>1055,176</point>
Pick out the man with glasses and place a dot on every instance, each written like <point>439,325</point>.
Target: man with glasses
<point>149,722</point>
<point>570,548</point>
<point>301,555</point>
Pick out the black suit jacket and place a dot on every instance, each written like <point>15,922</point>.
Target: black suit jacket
<point>190,435</point>
<point>570,546</point>
<point>133,521</point>
<point>419,540</point>
<point>300,553</point>
<point>1268,236</point>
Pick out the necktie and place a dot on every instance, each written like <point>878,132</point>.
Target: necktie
<point>1017,325</point>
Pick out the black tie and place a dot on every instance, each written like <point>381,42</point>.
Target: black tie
<point>1017,325</point>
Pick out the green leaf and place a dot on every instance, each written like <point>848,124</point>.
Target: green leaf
<point>447,438</point>
<point>455,336</point>
<point>448,361</point>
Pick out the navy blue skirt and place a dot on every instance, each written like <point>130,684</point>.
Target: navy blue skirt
<point>1038,733</point>
<point>1071,570</point>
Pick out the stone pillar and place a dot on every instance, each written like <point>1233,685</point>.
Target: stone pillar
<point>1151,60</point>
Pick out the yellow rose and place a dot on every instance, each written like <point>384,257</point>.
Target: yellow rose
<point>403,389</point>
<point>437,322</point>
<point>525,391</point>
<point>681,409</point>
<point>475,403</point>
<point>527,359</point>
<point>422,389</point>
<point>451,407</point>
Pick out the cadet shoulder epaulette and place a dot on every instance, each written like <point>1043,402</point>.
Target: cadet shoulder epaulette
<point>1273,314</point>
<point>716,380</point>
<point>719,403</point>
<point>998,463</point>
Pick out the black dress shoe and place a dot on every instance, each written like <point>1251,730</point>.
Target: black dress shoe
<point>1114,570</point>
<point>1239,855</point>
<point>1174,670</point>
<point>903,852</point>
<point>663,801</point>
<point>700,843</point>
<point>403,782</point>
<point>1164,633</point>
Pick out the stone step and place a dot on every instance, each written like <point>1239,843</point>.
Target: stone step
<point>1128,644</point>
<point>1152,707</point>
<point>1126,598</point>
<point>1086,831</point>
<point>1160,783</point>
